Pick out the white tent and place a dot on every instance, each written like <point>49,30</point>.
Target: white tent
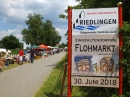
<point>49,46</point>
<point>66,47</point>
<point>4,50</point>
<point>9,51</point>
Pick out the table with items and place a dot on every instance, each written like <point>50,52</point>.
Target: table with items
<point>9,60</point>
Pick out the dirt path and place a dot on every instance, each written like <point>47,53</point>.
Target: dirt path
<point>25,80</point>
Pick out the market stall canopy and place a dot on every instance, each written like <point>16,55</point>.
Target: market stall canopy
<point>66,47</point>
<point>4,50</point>
<point>43,46</point>
<point>34,47</point>
<point>55,47</point>
<point>49,46</point>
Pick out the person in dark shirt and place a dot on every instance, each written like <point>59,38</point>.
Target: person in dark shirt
<point>32,53</point>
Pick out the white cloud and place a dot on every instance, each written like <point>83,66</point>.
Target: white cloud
<point>19,36</point>
<point>16,11</point>
<point>63,40</point>
<point>11,32</point>
<point>19,9</point>
<point>62,33</point>
<point>3,33</point>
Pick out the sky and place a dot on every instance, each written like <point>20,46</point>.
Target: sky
<point>13,14</point>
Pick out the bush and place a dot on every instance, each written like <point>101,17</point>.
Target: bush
<point>126,59</point>
<point>112,92</point>
<point>14,51</point>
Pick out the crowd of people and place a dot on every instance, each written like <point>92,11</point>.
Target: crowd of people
<point>27,56</point>
<point>7,57</point>
<point>3,58</point>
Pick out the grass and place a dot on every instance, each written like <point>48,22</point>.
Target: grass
<point>15,65</point>
<point>51,87</point>
<point>14,51</point>
<point>10,66</point>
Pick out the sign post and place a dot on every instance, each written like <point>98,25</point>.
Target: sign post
<point>69,48</point>
<point>120,46</point>
<point>95,47</point>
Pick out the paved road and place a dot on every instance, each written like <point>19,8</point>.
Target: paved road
<point>25,80</point>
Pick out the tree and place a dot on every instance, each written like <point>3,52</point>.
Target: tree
<point>10,42</point>
<point>1,45</point>
<point>39,32</point>
<point>57,37</point>
<point>62,45</point>
<point>51,35</point>
<point>126,58</point>
<point>102,4</point>
<point>34,31</point>
<point>84,4</point>
<point>109,92</point>
<point>21,45</point>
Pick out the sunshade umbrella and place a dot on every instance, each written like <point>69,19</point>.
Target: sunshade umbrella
<point>34,47</point>
<point>49,46</point>
<point>43,46</point>
<point>55,47</point>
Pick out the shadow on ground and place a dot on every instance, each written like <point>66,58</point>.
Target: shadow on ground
<point>51,95</point>
<point>53,65</point>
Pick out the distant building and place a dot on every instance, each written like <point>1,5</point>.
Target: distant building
<point>25,45</point>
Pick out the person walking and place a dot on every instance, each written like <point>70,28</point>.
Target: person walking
<point>28,56</point>
<point>21,53</point>
<point>32,53</point>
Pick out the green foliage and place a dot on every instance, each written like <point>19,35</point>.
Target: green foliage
<point>62,45</point>
<point>126,58</point>
<point>112,92</point>
<point>39,32</point>
<point>109,92</point>
<point>1,44</point>
<point>32,34</point>
<point>51,87</point>
<point>10,42</point>
<point>93,92</point>
<point>62,62</point>
<point>14,51</point>
<point>102,4</point>
<point>20,45</point>
<point>84,4</point>
<point>51,35</point>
